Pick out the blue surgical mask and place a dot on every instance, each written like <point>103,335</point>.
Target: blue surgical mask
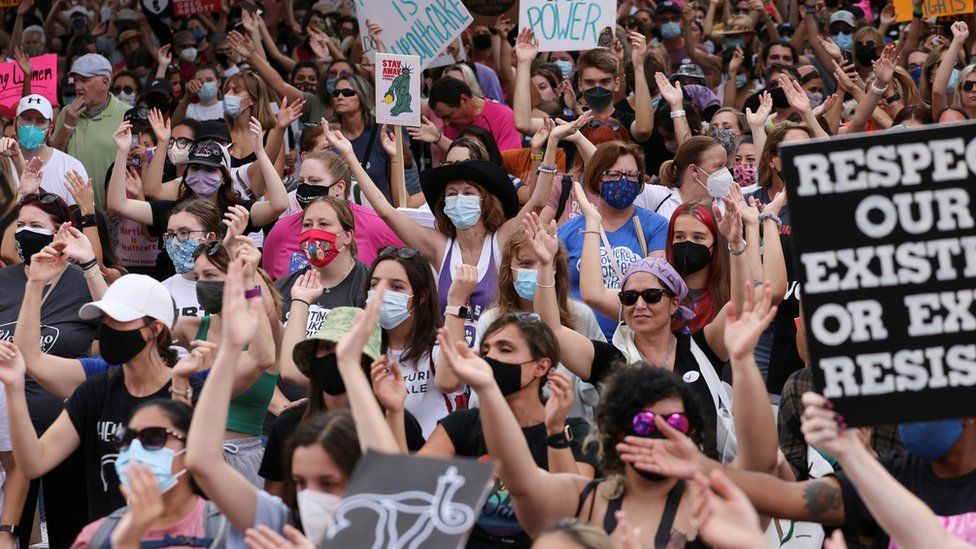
<point>953,79</point>
<point>741,80</point>
<point>565,67</point>
<point>620,194</point>
<point>30,137</point>
<point>525,283</point>
<point>670,31</point>
<point>393,310</point>
<point>208,91</point>
<point>916,74</point>
<point>843,40</point>
<point>160,462</point>
<point>199,33</point>
<point>463,210</point>
<point>181,253</point>
<point>330,84</point>
<point>232,106</point>
<point>930,440</point>
<point>731,43</point>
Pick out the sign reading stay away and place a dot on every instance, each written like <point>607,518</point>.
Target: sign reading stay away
<point>397,89</point>
<point>406,501</point>
<point>884,228</point>
<point>933,8</point>
<point>44,81</point>
<point>413,27</point>
<point>569,25</point>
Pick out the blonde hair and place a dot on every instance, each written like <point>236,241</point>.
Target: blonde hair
<point>690,152</point>
<point>337,167</point>
<point>261,97</point>
<point>507,301</point>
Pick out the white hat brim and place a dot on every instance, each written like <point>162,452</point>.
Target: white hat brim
<point>117,311</point>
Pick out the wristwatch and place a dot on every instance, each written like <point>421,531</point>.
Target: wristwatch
<point>561,440</point>
<point>460,312</point>
<point>187,394</point>
<point>14,529</point>
<point>89,221</point>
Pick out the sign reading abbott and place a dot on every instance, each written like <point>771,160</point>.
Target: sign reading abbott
<point>413,27</point>
<point>568,25</point>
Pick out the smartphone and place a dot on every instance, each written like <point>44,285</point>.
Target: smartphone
<point>848,57</point>
<point>606,38</point>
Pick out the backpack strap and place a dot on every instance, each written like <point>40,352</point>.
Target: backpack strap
<point>102,537</point>
<point>215,525</point>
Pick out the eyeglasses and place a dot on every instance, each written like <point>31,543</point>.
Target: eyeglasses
<point>181,235</point>
<point>344,92</point>
<point>152,438</point>
<point>643,423</point>
<point>894,98</point>
<point>596,123</point>
<point>403,252</point>
<point>616,175</point>
<point>181,143</point>
<point>968,85</point>
<point>650,296</point>
<point>123,89</point>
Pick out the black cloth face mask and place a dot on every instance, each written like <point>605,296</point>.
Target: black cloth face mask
<point>306,193</point>
<point>119,346</point>
<point>690,257</point>
<point>29,242</point>
<point>508,376</point>
<point>598,98</point>
<point>324,371</point>
<point>210,295</point>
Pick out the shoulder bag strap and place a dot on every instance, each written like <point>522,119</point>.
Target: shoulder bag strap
<point>567,186</point>
<point>369,146</point>
<point>640,235</point>
<point>613,258</point>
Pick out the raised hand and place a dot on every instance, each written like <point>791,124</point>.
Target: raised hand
<point>308,287</point>
<point>375,32</point>
<point>830,47</point>
<point>777,204</point>
<point>888,17</point>
<point>337,141</point>
<point>960,31</point>
<point>672,94</point>
<point>567,130</point>
<point>427,132</point>
<point>463,363</point>
<point>526,46</point>
<point>81,190</point>
<point>729,223</point>
<point>133,183</point>
<point>725,516</point>
<point>825,429</point>
<point>247,251</point>
<point>263,537</point>
<point>289,112</point>
<point>165,55</point>
<point>503,25</point>
<point>145,505</point>
<point>463,285</point>
<point>235,219</point>
<point>675,456</point>
<point>736,62</point>
<point>631,535</point>
<point>388,384</point>
<point>48,263</point>
<point>826,105</point>
<point>884,66</point>
<point>257,136</point>
<point>76,245</point>
<point>318,41</point>
<point>160,125</point>
<point>199,360</point>
<point>638,48</point>
<point>12,366</point>
<point>122,137</point>
<point>742,330</point>
<point>23,61</point>
<point>557,406</point>
<point>30,180</point>
<point>240,315</point>
<point>589,211</point>
<point>541,136</point>
<point>388,141</point>
<point>241,44</point>
<point>9,147</point>
<point>794,94</point>
<point>542,238</point>
<point>249,22</point>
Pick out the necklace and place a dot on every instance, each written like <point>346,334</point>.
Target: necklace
<point>667,355</point>
<point>328,289</point>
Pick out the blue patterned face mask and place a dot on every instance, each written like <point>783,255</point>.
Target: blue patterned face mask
<point>620,194</point>
<point>181,253</point>
<point>463,210</point>
<point>916,74</point>
<point>525,283</point>
<point>330,84</point>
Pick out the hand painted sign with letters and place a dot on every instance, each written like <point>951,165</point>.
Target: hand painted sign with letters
<point>568,25</point>
<point>186,8</point>
<point>933,8</point>
<point>44,81</point>
<point>397,89</point>
<point>413,27</point>
<point>884,228</point>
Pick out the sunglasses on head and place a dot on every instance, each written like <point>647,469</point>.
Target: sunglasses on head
<point>210,248</point>
<point>650,296</point>
<point>968,85</point>
<point>40,197</point>
<point>344,92</point>
<point>152,438</point>
<point>403,252</point>
<point>643,423</point>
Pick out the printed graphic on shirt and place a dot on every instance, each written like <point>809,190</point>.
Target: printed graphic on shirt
<point>191,311</point>
<point>49,335</point>
<point>297,262</point>
<point>471,323</point>
<point>316,316</point>
<point>106,433</point>
<point>625,258</point>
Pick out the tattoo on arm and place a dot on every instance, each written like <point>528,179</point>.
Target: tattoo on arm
<point>821,497</point>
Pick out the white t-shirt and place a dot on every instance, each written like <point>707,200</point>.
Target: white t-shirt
<point>196,111</point>
<point>53,174</point>
<point>5,445</point>
<point>659,199</point>
<point>184,293</point>
<point>424,400</point>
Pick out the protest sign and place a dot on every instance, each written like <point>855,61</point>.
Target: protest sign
<point>568,25</point>
<point>486,12</point>
<point>885,239</point>
<point>933,8</point>
<point>9,3</point>
<point>157,8</point>
<point>406,501</point>
<point>413,27</point>
<point>44,81</point>
<point>397,89</point>
<point>186,8</point>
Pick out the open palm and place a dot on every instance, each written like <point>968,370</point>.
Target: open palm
<point>742,331</point>
<point>542,238</point>
<point>12,366</point>
<point>467,366</point>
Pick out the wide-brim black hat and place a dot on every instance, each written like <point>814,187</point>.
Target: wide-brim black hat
<point>480,172</point>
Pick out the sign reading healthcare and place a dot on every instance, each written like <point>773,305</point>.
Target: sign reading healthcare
<point>44,81</point>
<point>885,239</point>
<point>397,89</point>
<point>413,27</point>
<point>568,25</point>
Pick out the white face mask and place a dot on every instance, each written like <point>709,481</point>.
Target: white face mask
<point>718,183</point>
<point>317,511</point>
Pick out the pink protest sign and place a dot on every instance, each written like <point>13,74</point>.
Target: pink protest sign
<point>44,81</point>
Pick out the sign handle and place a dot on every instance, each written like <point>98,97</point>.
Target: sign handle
<point>398,177</point>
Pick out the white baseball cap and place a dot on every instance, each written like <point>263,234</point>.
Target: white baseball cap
<point>36,102</point>
<point>132,297</point>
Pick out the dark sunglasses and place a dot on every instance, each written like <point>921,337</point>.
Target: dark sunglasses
<point>643,423</point>
<point>123,89</point>
<point>894,98</point>
<point>345,92</point>
<point>152,438</point>
<point>968,85</point>
<point>612,124</point>
<point>651,296</point>
<point>403,252</point>
<point>209,248</point>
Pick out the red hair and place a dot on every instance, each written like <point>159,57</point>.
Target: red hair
<point>717,289</point>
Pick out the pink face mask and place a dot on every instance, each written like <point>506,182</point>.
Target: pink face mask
<point>744,174</point>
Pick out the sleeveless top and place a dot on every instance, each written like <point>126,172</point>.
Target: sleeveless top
<point>663,536</point>
<point>247,410</point>
<point>484,294</point>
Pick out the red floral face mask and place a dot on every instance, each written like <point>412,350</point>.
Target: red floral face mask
<point>319,246</point>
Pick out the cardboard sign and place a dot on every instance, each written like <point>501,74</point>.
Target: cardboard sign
<point>185,8</point>
<point>413,27</point>
<point>44,81</point>
<point>157,8</point>
<point>397,89</point>
<point>569,25</point>
<point>9,3</point>
<point>406,501</point>
<point>884,228</point>
<point>933,8</point>
<point>486,12</point>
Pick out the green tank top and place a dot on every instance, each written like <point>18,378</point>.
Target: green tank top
<point>247,410</point>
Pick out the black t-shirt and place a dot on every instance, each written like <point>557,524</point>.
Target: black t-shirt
<point>272,464</point>
<point>655,153</point>
<point>63,332</point>
<point>97,409</point>
<point>606,357</point>
<point>497,525</point>
<point>953,499</point>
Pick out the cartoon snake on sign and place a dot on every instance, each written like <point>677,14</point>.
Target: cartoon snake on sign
<point>435,511</point>
<point>400,92</point>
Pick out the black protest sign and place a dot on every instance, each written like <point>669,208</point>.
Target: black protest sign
<point>885,245</point>
<point>405,501</point>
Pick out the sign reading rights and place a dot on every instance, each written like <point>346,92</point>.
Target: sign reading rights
<point>932,8</point>
<point>413,27</point>
<point>885,240</point>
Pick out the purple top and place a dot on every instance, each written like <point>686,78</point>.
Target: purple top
<point>490,85</point>
<point>484,293</point>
